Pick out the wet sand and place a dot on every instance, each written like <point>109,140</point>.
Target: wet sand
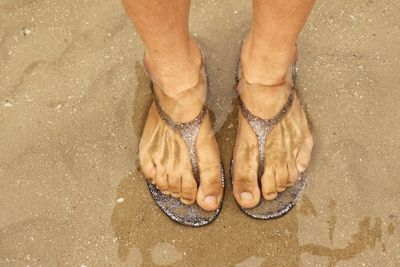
<point>73,99</point>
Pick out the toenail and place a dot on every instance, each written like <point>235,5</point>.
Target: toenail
<point>280,189</point>
<point>186,201</point>
<point>175,194</point>
<point>301,168</point>
<point>166,192</point>
<point>272,195</point>
<point>246,196</point>
<point>210,200</point>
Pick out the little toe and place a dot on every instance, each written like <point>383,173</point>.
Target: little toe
<point>293,173</point>
<point>148,168</point>
<point>281,177</point>
<point>246,190</point>
<point>304,155</point>
<point>189,188</point>
<point>209,194</point>
<point>268,184</point>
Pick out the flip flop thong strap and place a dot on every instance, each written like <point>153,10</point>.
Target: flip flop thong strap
<point>188,131</point>
<point>262,127</point>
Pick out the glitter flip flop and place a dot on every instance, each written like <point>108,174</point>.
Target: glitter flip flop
<point>285,201</point>
<point>190,215</point>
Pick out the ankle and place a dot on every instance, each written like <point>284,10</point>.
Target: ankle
<point>266,64</point>
<point>175,71</point>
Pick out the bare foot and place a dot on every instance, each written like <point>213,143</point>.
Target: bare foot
<point>164,156</point>
<point>289,144</point>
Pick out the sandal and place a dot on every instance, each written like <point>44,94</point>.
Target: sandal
<point>270,209</point>
<point>191,215</point>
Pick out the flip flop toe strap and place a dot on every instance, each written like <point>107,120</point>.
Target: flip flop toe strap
<point>262,127</point>
<point>188,131</point>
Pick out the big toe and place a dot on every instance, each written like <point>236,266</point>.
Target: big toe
<point>246,190</point>
<point>210,192</point>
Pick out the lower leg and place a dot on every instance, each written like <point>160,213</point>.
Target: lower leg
<point>270,47</point>
<point>171,56</point>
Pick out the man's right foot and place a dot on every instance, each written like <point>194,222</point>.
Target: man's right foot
<point>164,155</point>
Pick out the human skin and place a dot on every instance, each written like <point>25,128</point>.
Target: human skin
<point>174,63</point>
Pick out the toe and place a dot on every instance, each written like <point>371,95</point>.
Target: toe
<point>304,154</point>
<point>268,184</point>
<point>209,195</point>
<point>148,168</point>
<point>246,190</point>
<point>281,177</point>
<point>189,188</point>
<point>174,184</point>
<point>292,172</point>
<point>245,182</point>
<point>162,180</point>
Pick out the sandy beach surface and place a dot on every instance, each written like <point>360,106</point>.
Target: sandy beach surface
<point>73,99</point>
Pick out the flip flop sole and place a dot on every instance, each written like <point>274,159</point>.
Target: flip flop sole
<point>282,204</point>
<point>189,215</point>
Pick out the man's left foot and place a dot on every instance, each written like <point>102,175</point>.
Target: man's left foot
<point>288,147</point>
